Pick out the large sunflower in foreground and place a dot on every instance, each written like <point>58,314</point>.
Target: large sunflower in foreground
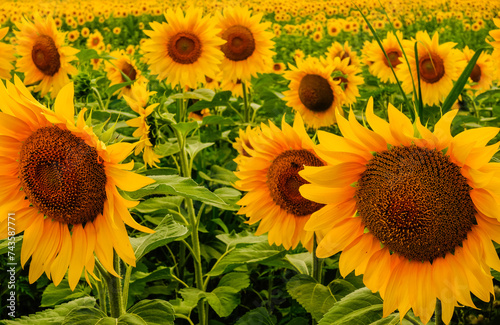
<point>268,171</point>
<point>185,49</point>
<point>62,184</point>
<point>313,93</point>
<point>416,215</point>
<point>248,47</point>
<point>437,64</point>
<point>43,56</point>
<point>6,56</point>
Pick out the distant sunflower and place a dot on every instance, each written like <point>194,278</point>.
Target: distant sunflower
<point>416,216</point>
<point>338,50</point>
<point>184,49</point>
<point>95,41</point>
<point>437,64</point>
<point>243,141</point>
<point>380,67</point>
<point>278,67</point>
<point>235,86</point>
<point>495,34</point>
<point>43,56</point>
<point>138,100</point>
<point>349,78</point>
<point>248,47</point>
<point>62,184</point>
<point>6,56</point>
<point>117,68</point>
<point>313,93</point>
<point>483,72</point>
<point>269,173</point>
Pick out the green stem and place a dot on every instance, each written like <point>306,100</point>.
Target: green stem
<point>316,267</point>
<point>246,103</point>
<point>114,286</point>
<point>126,284</point>
<point>101,291</point>
<point>99,99</point>
<point>439,311</point>
<point>195,239</point>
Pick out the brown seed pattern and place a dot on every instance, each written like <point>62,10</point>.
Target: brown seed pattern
<point>45,55</point>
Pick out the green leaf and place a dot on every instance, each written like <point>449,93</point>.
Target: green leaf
<point>87,316</point>
<point>257,253</point>
<point>167,232</point>
<point>88,54</point>
<point>341,288</point>
<point>220,175</point>
<point>154,312</point>
<point>235,280</point>
<point>302,262</point>
<point>167,149</point>
<point>316,298</point>
<point>183,186</point>
<point>216,119</point>
<point>159,203</point>
<point>241,239</point>
<point>112,89</point>
<point>223,300</point>
<point>257,316</point>
<point>392,319</point>
<point>361,307</point>
<point>201,94</point>
<point>230,197</point>
<point>185,127</point>
<point>220,99</point>
<point>53,295</point>
<point>55,315</point>
<point>194,146</point>
<point>4,245</point>
<point>460,84</point>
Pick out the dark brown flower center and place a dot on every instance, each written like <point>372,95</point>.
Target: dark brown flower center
<point>284,181</point>
<point>416,202</point>
<point>431,68</point>
<point>184,48</point>
<point>62,176</point>
<point>276,67</point>
<point>240,43</point>
<point>45,55</point>
<point>393,58</point>
<point>315,93</point>
<point>476,73</point>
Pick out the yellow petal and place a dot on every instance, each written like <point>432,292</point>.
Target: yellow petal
<point>64,106</point>
<point>78,253</point>
<point>61,262</point>
<point>334,176</point>
<point>128,181</point>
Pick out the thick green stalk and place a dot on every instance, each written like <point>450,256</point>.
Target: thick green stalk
<point>439,312</point>
<point>126,284</point>
<point>195,239</point>
<point>115,294</point>
<point>246,103</point>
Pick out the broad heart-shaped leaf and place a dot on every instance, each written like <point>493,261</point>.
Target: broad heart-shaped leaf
<point>246,255</point>
<point>361,307</point>
<point>194,146</point>
<point>219,175</point>
<point>167,231</point>
<point>257,316</point>
<point>185,127</point>
<point>223,300</point>
<point>183,186</point>
<point>153,312</point>
<point>53,315</point>
<point>235,280</point>
<point>53,295</point>
<point>313,296</point>
<point>87,316</point>
<point>219,99</point>
<point>302,262</point>
<point>216,119</point>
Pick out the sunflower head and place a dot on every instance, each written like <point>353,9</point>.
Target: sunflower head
<point>63,185</point>
<point>420,205</point>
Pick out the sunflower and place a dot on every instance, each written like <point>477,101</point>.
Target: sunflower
<point>278,67</point>
<point>348,76</point>
<point>120,67</point>
<point>381,67</point>
<point>62,184</point>
<point>437,64</point>
<point>248,47</point>
<point>416,216</point>
<point>482,74</point>
<point>342,52</point>
<point>269,173</point>
<point>95,41</point>
<point>43,56</point>
<point>243,141</point>
<point>138,100</point>
<point>235,86</point>
<point>313,93</point>
<point>184,49</point>
<point>6,56</point>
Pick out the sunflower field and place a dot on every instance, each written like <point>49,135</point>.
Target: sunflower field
<point>254,162</point>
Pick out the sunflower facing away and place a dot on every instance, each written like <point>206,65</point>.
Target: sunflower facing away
<point>185,49</point>
<point>248,47</point>
<point>43,56</point>
<point>338,50</point>
<point>437,64</point>
<point>313,93</point>
<point>269,173</point>
<point>416,216</point>
<point>62,184</point>
<point>6,56</point>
